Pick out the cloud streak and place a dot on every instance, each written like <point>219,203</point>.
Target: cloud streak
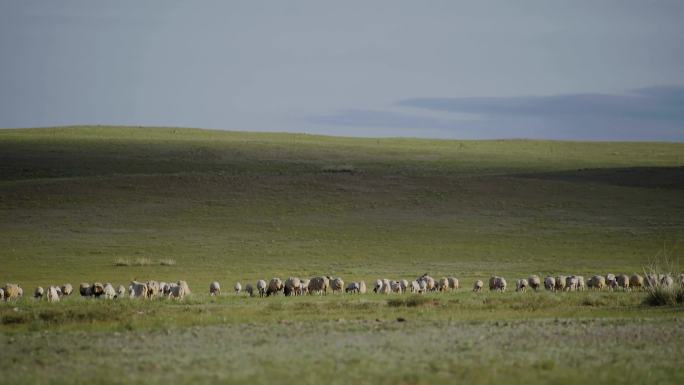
<point>652,113</point>
<point>660,102</point>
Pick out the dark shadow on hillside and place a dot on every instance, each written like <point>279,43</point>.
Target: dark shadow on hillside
<point>645,177</point>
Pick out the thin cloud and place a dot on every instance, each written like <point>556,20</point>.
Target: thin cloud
<point>652,113</point>
<point>660,102</point>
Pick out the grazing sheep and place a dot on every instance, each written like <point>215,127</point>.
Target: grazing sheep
<point>249,289</point>
<point>237,288</point>
<point>622,281</point>
<point>680,279</point>
<point>580,283</point>
<point>108,291</point>
<point>415,287</point>
<point>571,283</point>
<point>261,287</point>
<point>443,284</point>
<point>38,293</point>
<point>636,281</point>
<point>395,287</point>
<point>429,282</point>
<point>52,295</point>
<point>166,290</point>
<point>521,285</point>
<point>12,291</point>
<point>550,283</point>
<point>478,285</point>
<point>362,287</point>
<point>382,286</point>
<point>178,291</point>
<point>666,281</point>
<point>2,293</point>
<point>651,281</point>
<point>560,283</point>
<point>453,283</point>
<point>152,288</point>
<point>497,283</point>
<point>304,287</point>
<point>292,286</point>
<point>378,286</point>
<point>138,290</point>
<point>275,286</point>
<point>186,288</point>
<point>404,285</point>
<point>352,287</point>
<point>610,281</point>
<point>336,285</point>
<point>534,282</point>
<point>214,288</point>
<point>67,289</point>
<point>121,292</point>
<point>85,290</point>
<point>597,282</point>
<point>319,285</point>
<point>97,289</point>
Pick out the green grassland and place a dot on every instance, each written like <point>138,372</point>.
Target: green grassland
<point>239,206</point>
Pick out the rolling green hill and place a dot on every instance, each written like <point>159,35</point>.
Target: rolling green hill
<point>241,206</point>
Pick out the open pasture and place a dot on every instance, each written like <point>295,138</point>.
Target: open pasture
<point>86,204</point>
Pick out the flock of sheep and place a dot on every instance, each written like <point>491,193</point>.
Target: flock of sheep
<point>322,284</point>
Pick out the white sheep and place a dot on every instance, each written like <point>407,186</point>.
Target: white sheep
<point>292,286</point>
<point>52,295</point>
<point>38,293</point>
<point>560,283</point>
<point>67,289</point>
<point>108,291</point>
<point>121,291</point>
<point>453,283</point>
<point>404,285</point>
<point>214,288</point>
<point>237,288</point>
<point>443,284</point>
<point>636,281</point>
<point>550,283</point>
<point>478,285</point>
<point>622,281</point>
<point>352,287</point>
<point>362,287</point>
<point>415,287</point>
<point>261,287</point>
<point>337,285</point>
<point>138,289</point>
<point>521,285</point>
<point>534,282</point>
<point>178,290</point>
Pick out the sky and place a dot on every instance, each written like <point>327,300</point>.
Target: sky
<point>481,69</point>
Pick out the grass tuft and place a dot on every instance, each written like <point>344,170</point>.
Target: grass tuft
<point>412,301</point>
<point>122,262</point>
<point>143,262</point>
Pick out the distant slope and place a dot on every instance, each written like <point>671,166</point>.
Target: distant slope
<point>239,205</point>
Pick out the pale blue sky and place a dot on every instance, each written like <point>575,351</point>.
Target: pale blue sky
<point>594,69</point>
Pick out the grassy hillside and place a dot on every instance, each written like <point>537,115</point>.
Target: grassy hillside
<point>229,206</point>
<point>238,206</point>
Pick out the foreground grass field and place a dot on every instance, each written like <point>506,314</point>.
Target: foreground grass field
<point>233,206</point>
